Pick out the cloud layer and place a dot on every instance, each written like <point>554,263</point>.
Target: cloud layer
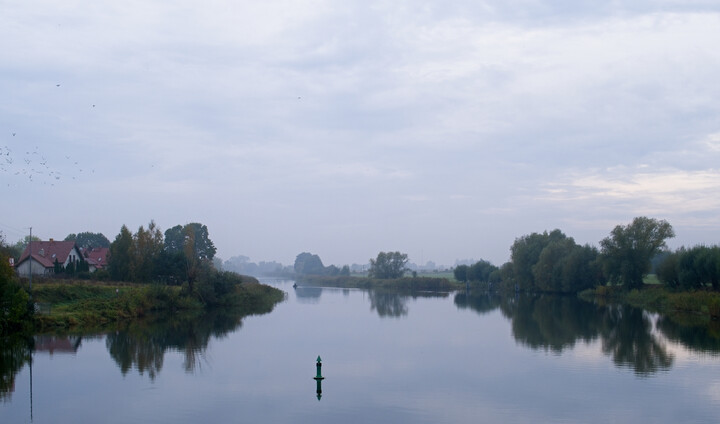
<point>442,130</point>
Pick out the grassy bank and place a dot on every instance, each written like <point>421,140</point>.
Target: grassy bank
<point>405,283</point>
<point>702,304</point>
<point>91,305</point>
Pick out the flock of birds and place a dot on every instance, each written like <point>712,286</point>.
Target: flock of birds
<point>32,165</point>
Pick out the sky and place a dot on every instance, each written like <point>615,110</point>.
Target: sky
<point>441,129</point>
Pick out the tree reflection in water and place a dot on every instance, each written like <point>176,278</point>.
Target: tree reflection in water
<point>555,323</point>
<point>393,303</point>
<point>14,354</point>
<point>692,332</point>
<point>143,344</point>
<point>628,337</point>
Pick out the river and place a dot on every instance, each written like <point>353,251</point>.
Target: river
<point>387,357</point>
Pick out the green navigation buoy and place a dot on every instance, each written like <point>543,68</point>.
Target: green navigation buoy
<point>319,378</point>
<point>319,368</point>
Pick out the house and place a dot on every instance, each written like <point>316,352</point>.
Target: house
<point>97,258</point>
<point>41,261</point>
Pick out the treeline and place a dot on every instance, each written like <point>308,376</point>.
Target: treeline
<point>182,253</point>
<point>554,262</point>
<point>691,268</point>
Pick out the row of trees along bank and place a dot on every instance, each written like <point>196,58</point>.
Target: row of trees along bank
<point>554,262</point>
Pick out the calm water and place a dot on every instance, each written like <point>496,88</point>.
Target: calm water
<point>387,358</point>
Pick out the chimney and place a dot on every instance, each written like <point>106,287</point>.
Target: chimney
<point>51,240</point>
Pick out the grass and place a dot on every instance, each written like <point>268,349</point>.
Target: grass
<point>89,305</point>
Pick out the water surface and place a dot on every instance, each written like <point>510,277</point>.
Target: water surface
<point>387,358</point>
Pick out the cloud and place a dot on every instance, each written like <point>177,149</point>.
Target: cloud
<point>645,192</point>
<point>308,114</point>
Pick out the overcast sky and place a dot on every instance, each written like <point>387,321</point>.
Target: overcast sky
<point>442,129</point>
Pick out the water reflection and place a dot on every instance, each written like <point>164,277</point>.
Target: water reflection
<point>628,337</point>
<point>480,302</point>
<point>696,336</point>
<point>393,303</point>
<point>308,294</point>
<point>143,345</point>
<point>556,323</point>
<point>553,323</point>
<point>57,344</point>
<point>14,354</point>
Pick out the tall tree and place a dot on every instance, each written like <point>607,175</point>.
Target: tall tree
<point>121,256</point>
<point>388,265</point>
<point>147,247</point>
<point>525,253</point>
<point>177,237</point>
<point>627,252</point>
<point>174,239</point>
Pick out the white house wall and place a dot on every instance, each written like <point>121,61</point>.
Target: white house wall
<point>37,268</point>
<point>73,256</point>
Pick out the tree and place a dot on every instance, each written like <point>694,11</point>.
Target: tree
<point>120,262</point>
<point>692,268</point>
<point>461,273</point>
<point>178,236</point>
<point>525,253</point>
<point>15,308</point>
<point>480,271</point>
<point>88,240</point>
<point>147,247</point>
<point>174,239</point>
<point>308,264</point>
<point>627,252</point>
<point>388,265</point>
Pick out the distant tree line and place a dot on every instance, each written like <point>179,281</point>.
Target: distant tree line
<point>243,265</point>
<point>309,264</point>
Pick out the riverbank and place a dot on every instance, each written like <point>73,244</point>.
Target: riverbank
<point>82,305</point>
<point>702,306</point>
<point>404,283</point>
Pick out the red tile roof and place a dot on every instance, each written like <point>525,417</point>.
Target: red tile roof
<point>97,257</point>
<point>45,252</point>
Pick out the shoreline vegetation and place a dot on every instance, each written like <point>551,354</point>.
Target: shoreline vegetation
<point>402,283</point>
<point>698,307</point>
<point>80,305</point>
<point>175,272</point>
<point>694,307</point>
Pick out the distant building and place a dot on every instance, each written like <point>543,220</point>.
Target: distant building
<point>97,258</point>
<point>41,261</point>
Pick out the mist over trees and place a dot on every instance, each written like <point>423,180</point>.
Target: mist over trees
<point>242,265</point>
<point>309,264</point>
